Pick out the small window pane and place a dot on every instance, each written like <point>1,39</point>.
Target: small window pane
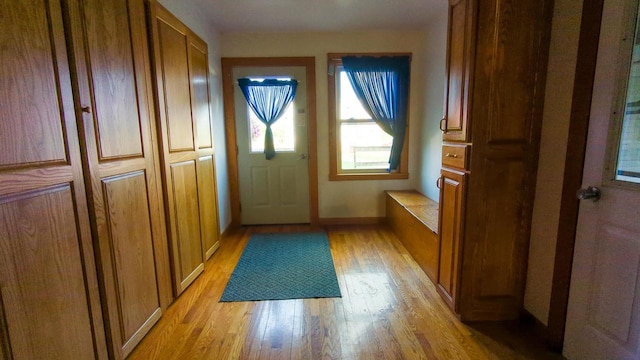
<point>628,167</point>
<point>364,146</point>
<point>283,132</point>
<point>350,107</point>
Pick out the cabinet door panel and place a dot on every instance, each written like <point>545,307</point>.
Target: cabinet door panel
<point>115,91</point>
<point>42,293</point>
<point>200,85</point>
<point>175,67</point>
<point>32,130</point>
<point>516,48</point>
<point>458,70</point>
<point>208,204</point>
<point>498,228</point>
<point>451,203</point>
<point>186,218</point>
<point>132,245</point>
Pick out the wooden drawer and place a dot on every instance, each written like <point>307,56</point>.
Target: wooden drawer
<point>455,156</point>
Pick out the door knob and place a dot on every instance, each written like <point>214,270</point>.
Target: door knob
<point>589,193</point>
<point>303,156</point>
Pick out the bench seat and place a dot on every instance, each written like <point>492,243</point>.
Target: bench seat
<point>413,217</point>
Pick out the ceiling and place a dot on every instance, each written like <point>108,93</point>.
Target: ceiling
<point>318,15</point>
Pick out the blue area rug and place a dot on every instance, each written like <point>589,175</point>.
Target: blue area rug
<point>283,266</point>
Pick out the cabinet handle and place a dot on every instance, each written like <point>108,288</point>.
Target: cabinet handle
<point>438,182</point>
<point>455,156</point>
<point>443,128</point>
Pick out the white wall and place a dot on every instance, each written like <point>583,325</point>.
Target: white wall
<point>344,199</point>
<point>430,144</point>
<point>189,13</point>
<point>555,130</point>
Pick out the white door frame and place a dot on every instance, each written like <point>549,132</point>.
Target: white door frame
<point>228,64</point>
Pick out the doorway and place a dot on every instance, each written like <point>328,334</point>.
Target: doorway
<point>271,191</point>
<point>276,190</point>
<point>603,316</point>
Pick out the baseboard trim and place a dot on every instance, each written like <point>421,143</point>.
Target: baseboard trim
<point>227,231</point>
<point>540,329</point>
<point>352,221</point>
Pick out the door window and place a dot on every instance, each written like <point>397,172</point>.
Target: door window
<point>284,135</point>
<point>628,138</point>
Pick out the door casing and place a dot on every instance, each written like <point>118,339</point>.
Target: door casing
<point>228,64</point>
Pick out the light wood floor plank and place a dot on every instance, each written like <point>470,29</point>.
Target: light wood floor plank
<point>389,309</point>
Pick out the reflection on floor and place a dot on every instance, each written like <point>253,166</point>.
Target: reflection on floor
<point>389,310</point>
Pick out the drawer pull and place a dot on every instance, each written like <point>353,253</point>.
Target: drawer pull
<point>451,155</point>
<point>443,128</point>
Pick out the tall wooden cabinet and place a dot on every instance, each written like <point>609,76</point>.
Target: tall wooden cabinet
<point>84,255</point>
<point>496,68</point>
<point>186,140</point>
<point>114,91</point>
<point>49,299</point>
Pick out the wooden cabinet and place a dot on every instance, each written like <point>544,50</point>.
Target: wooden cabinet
<point>497,57</point>
<point>49,298</point>
<point>184,126</point>
<point>450,228</point>
<point>112,77</point>
<point>84,255</point>
<point>462,20</point>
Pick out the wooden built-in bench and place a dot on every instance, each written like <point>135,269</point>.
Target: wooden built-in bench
<point>413,217</point>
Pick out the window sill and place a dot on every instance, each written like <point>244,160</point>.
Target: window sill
<point>368,176</point>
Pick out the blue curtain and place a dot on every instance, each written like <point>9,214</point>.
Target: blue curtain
<point>268,99</point>
<point>382,86</point>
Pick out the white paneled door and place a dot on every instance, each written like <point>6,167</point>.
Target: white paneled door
<point>274,191</point>
<point>603,317</point>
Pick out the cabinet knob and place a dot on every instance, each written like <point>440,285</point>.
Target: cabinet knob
<point>451,155</point>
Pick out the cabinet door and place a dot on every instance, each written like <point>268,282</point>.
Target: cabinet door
<point>511,49</point>
<point>181,68</point>
<point>452,185</point>
<point>178,147</point>
<point>201,112</point>
<point>49,299</point>
<point>113,78</point>
<point>459,44</point>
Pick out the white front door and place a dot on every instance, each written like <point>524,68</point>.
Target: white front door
<point>603,317</point>
<point>273,191</point>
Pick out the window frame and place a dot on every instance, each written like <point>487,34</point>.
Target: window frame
<point>334,62</point>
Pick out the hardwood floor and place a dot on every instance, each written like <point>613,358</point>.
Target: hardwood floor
<point>389,310</point>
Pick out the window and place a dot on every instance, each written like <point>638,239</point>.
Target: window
<point>270,100</point>
<point>359,148</point>
<point>283,132</point>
